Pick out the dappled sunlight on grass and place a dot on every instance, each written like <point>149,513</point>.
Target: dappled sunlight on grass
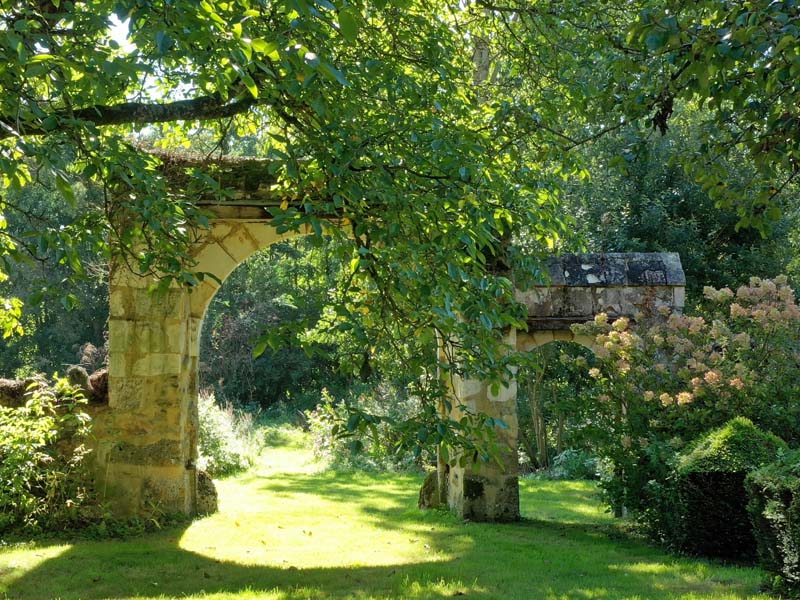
<point>332,519</point>
<point>563,501</point>
<point>18,559</point>
<point>287,531</point>
<point>654,568</point>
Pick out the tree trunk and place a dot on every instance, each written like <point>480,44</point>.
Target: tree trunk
<point>560,426</point>
<point>539,424</point>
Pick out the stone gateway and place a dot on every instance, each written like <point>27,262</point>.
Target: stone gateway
<point>146,438</point>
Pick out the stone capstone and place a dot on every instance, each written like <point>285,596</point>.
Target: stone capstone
<point>616,269</point>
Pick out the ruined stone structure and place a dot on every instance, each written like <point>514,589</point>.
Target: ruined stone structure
<point>581,286</point>
<point>146,447</point>
<point>146,437</point>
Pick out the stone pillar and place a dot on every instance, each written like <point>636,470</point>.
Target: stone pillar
<point>147,440</point>
<point>487,491</point>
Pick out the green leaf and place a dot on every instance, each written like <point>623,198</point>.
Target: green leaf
<point>163,42</point>
<point>250,84</point>
<point>260,347</point>
<point>270,48</point>
<point>348,24</point>
<point>333,73</point>
<point>65,187</point>
<point>353,421</point>
<point>656,40</point>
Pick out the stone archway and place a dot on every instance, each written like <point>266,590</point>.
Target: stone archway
<point>146,439</point>
<point>581,286</point>
<point>146,448</point>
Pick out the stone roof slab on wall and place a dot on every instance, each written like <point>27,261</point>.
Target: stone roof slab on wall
<point>619,284</point>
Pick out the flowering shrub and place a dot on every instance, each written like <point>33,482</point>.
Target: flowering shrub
<point>672,377</point>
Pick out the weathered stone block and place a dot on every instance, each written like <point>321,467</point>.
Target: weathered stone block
<point>239,244</point>
<point>467,389</point>
<point>213,258</point>
<point>505,393</point>
<point>200,298</point>
<point>429,493</point>
<point>220,229</point>
<point>207,500</point>
<point>158,364</point>
<point>679,298</point>
<point>162,453</point>
<point>562,335</point>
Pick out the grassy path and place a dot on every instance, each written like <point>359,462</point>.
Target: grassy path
<point>286,531</point>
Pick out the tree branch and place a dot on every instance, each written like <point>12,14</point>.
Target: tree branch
<point>140,113</point>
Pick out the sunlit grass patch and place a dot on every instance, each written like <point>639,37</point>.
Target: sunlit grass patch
<point>288,531</point>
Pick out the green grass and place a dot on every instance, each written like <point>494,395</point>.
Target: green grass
<point>286,530</point>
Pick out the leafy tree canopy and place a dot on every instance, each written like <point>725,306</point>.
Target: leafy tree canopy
<point>440,131</point>
<point>737,61</point>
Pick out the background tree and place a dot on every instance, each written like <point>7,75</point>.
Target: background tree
<point>278,288</point>
<point>640,198</point>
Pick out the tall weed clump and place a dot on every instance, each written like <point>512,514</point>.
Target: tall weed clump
<point>331,425</point>
<point>229,438</point>
<point>44,482</point>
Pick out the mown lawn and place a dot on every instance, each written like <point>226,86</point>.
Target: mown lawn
<point>287,531</point>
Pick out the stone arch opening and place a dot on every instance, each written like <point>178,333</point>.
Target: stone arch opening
<point>580,287</point>
<point>146,448</point>
<point>550,387</point>
<point>275,286</point>
<point>146,439</point>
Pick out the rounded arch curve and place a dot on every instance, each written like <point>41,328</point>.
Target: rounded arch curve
<point>228,244</point>
<point>530,340</point>
<point>146,449</point>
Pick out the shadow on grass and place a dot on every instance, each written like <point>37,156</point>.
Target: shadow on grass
<point>532,559</point>
<point>568,502</point>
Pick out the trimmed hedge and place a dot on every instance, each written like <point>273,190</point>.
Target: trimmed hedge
<point>774,508</point>
<point>711,491</point>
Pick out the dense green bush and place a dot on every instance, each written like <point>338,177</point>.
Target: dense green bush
<point>229,440</point>
<point>711,491</point>
<point>667,379</point>
<point>43,481</point>
<point>574,463</point>
<point>774,507</point>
